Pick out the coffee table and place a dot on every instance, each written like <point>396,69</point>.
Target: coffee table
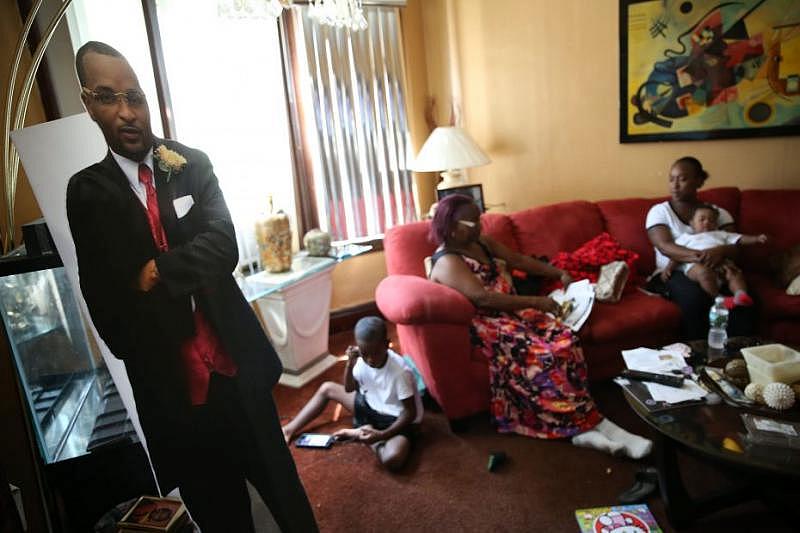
<point>714,434</point>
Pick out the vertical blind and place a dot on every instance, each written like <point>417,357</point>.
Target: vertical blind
<point>353,135</point>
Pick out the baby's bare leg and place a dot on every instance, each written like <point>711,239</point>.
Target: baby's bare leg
<point>705,277</point>
<point>734,277</point>
<point>394,452</point>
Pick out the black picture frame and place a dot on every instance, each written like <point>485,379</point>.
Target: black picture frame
<point>474,191</point>
<point>719,71</point>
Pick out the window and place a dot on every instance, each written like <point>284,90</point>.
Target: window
<point>227,93</point>
<point>348,113</point>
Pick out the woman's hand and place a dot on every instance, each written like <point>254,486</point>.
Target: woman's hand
<point>546,304</point>
<point>713,257</point>
<point>565,278</point>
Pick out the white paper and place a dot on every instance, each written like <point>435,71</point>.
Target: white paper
<point>665,393</point>
<point>656,361</point>
<point>663,362</point>
<point>182,205</point>
<point>51,153</point>
<point>582,295</point>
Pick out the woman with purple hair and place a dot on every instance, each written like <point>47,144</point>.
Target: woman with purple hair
<point>537,372</point>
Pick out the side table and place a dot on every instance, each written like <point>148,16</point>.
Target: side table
<point>294,309</point>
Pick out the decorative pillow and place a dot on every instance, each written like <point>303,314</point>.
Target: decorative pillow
<point>786,268</point>
<point>611,282</point>
<point>794,287</point>
<point>586,261</point>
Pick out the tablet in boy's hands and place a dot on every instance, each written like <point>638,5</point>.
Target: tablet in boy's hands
<point>314,440</point>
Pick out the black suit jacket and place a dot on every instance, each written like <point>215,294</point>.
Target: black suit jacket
<point>113,242</point>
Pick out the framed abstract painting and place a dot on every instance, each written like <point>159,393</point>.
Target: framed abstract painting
<point>709,69</point>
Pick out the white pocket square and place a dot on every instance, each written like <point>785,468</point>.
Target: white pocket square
<point>182,205</point>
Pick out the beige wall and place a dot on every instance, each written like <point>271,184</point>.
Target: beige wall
<point>540,85</point>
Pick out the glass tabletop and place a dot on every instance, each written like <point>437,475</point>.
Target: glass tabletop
<point>718,431</point>
<point>303,266</point>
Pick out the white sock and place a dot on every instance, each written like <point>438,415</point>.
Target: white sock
<point>597,441</point>
<point>635,446</point>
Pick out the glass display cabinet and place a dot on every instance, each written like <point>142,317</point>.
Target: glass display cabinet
<point>88,453</point>
<point>72,400</point>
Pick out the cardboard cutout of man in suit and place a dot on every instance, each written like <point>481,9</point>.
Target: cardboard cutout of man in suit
<point>156,250</point>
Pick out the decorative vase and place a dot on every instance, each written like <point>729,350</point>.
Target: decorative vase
<point>274,238</point>
<point>317,242</point>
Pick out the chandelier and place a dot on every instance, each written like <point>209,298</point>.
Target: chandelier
<point>339,13</point>
<point>252,9</point>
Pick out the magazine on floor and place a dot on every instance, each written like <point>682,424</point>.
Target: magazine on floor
<point>635,518</point>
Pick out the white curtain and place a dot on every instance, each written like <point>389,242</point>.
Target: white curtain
<point>355,141</point>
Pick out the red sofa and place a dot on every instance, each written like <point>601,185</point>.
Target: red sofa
<point>433,320</point>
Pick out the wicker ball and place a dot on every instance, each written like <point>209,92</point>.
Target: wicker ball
<point>755,391</point>
<point>778,396</point>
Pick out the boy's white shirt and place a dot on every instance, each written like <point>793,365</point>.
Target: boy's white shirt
<point>384,388</point>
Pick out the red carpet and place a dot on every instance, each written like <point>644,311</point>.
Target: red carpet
<point>446,485</point>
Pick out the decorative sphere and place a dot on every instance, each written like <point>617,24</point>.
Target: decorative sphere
<point>736,369</point>
<point>755,391</point>
<point>317,242</point>
<point>778,396</point>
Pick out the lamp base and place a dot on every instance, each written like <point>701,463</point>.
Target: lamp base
<point>452,178</point>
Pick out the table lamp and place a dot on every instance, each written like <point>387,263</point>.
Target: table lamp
<point>451,149</point>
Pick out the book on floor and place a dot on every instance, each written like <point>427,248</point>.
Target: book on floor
<point>635,518</point>
<point>151,513</point>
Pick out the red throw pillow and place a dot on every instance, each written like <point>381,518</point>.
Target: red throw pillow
<point>585,262</point>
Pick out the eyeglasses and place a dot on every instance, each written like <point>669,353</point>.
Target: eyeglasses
<point>468,223</point>
<point>133,97</point>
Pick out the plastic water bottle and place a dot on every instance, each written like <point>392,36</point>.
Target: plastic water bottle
<point>717,331</point>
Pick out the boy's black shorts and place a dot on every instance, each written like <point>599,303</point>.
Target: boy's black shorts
<point>364,414</point>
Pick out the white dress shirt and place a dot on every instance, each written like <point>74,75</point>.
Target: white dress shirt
<point>131,170</point>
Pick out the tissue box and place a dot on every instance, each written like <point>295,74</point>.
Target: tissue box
<point>772,362</point>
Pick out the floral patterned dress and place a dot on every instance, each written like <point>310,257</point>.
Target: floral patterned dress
<point>537,373</point>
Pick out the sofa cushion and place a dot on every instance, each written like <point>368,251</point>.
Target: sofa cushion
<point>556,228</point>
<point>636,315</point>
<point>729,198</point>
<point>773,213</point>
<point>406,247</point>
<point>624,220</point>
<point>773,301</point>
<point>499,228</point>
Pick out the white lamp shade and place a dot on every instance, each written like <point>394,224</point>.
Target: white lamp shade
<point>449,148</point>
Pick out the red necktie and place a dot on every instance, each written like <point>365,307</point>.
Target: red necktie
<point>153,215</point>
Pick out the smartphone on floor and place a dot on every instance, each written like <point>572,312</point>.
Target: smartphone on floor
<point>314,440</point>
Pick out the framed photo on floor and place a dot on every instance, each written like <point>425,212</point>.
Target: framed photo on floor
<point>706,69</point>
<point>475,191</point>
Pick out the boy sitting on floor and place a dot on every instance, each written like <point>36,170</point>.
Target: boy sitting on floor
<point>380,392</point>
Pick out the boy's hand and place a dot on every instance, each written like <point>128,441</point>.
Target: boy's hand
<point>762,238</point>
<point>565,278</point>
<point>369,435</point>
<point>352,354</point>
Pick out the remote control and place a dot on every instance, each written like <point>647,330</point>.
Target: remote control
<point>663,379</point>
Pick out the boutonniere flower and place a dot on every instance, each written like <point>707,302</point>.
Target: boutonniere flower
<point>169,161</point>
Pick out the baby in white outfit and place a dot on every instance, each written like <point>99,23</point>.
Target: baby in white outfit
<point>705,236</point>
